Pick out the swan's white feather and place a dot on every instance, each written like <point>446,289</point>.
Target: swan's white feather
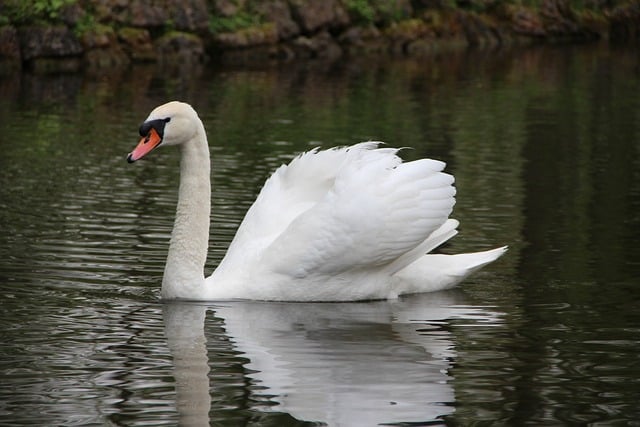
<point>291,190</point>
<point>442,271</point>
<point>375,212</point>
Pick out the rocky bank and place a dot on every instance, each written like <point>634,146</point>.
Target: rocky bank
<point>71,34</point>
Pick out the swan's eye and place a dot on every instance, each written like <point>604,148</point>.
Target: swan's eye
<point>158,125</point>
<point>144,129</point>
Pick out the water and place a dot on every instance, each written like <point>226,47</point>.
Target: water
<point>545,147</point>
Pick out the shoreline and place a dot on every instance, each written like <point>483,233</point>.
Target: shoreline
<point>108,34</point>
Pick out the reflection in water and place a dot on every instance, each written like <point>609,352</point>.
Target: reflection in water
<point>184,329</point>
<point>348,364</point>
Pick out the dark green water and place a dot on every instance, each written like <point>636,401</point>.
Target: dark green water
<point>545,147</point>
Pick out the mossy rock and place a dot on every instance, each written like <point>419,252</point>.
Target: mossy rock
<point>48,42</point>
<point>134,36</point>
<point>409,29</point>
<point>137,43</point>
<point>264,34</point>
<point>99,36</point>
<point>9,44</point>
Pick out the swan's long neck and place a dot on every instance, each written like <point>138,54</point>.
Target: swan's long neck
<point>184,270</point>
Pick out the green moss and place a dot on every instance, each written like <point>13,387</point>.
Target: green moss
<point>180,34</point>
<point>87,23</point>
<point>378,12</point>
<point>34,11</point>
<point>592,19</point>
<point>239,21</point>
<point>131,34</point>
<point>361,11</point>
<point>409,29</point>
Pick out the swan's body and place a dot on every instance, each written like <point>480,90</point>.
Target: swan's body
<point>343,224</point>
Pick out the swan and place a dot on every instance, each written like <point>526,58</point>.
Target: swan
<point>343,224</point>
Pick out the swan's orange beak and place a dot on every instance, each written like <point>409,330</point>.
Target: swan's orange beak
<point>144,147</point>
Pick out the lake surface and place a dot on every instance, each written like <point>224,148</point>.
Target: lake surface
<point>545,147</point>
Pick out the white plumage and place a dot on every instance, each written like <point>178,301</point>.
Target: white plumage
<point>342,224</point>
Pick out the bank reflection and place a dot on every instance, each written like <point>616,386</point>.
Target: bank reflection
<point>345,364</point>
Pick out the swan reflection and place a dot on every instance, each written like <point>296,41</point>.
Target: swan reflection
<point>343,364</point>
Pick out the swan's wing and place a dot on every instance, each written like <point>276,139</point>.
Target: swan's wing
<point>377,210</point>
<point>291,190</point>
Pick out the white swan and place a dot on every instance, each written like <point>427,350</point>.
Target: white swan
<point>344,224</point>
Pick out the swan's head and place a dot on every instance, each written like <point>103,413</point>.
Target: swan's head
<point>170,124</point>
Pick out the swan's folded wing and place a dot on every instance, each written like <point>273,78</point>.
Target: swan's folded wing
<point>291,190</point>
<point>377,210</point>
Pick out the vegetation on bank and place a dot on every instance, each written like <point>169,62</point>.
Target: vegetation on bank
<point>111,32</point>
<point>362,12</point>
<point>21,12</point>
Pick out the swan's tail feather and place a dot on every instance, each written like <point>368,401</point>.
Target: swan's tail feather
<point>434,272</point>
<point>445,232</point>
<point>480,259</point>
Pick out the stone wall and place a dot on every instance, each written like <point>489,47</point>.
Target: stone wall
<point>114,33</point>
